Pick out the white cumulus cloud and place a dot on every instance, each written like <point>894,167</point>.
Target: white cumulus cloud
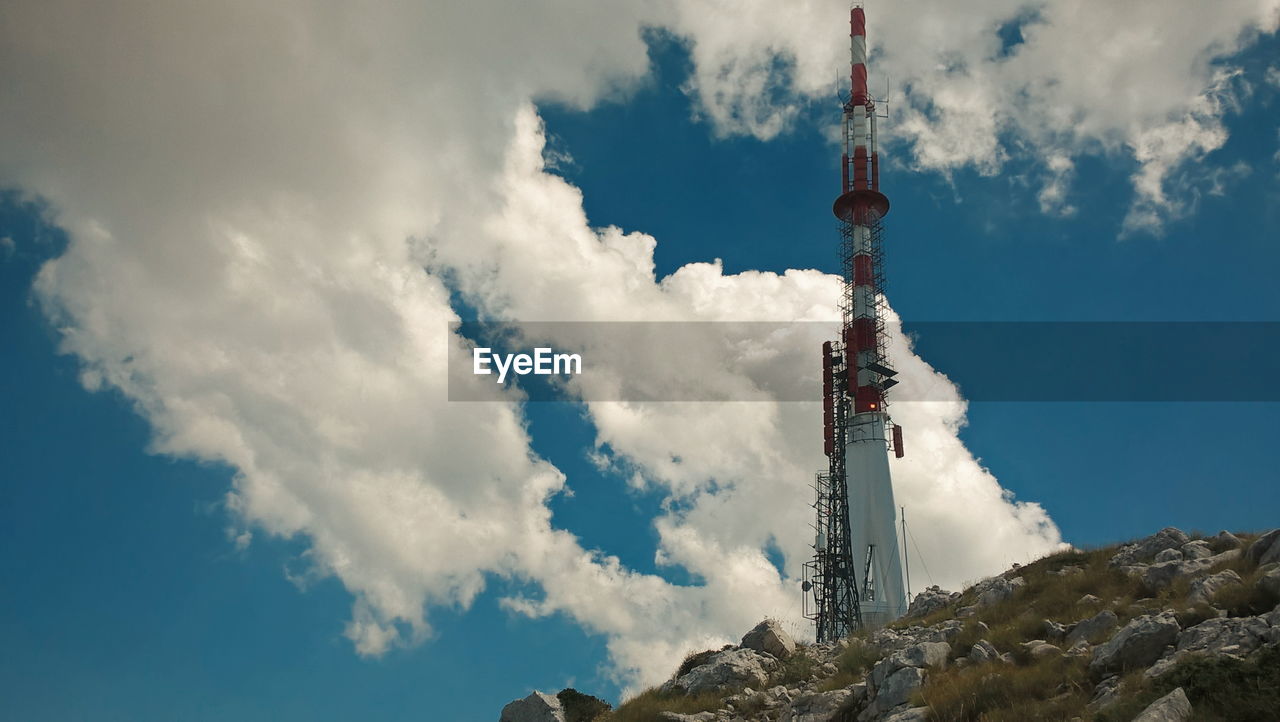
<point>264,202</point>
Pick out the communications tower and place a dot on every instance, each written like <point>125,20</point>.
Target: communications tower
<point>856,572</point>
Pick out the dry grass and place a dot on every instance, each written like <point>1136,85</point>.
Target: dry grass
<point>1048,689</point>
<point>646,706</point>
<point>851,665</point>
<point>797,668</point>
<point>1221,689</point>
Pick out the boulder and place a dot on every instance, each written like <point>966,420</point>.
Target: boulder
<point>1271,556</point>
<point>1198,549</point>
<point>997,589</point>
<point>931,600</point>
<point>925,654</point>
<point>1086,629</point>
<point>1040,649</point>
<point>1162,574</point>
<point>1269,580</point>
<point>1173,707</point>
<point>1203,590</point>
<point>730,668</point>
<point>1226,635</point>
<point>1105,693</point>
<point>982,651</point>
<point>1144,549</point>
<point>1169,555</point>
<point>1262,546</point>
<point>769,637</point>
<point>1138,644</point>
<point>816,706</point>
<point>537,707</point>
<point>677,717</point>
<point>896,689</point>
<point>1053,630</point>
<point>1224,540</point>
<point>892,640</point>
<point>943,631</point>
<point>910,714</point>
<point>1088,599</point>
<point>1272,617</point>
<point>1080,649</point>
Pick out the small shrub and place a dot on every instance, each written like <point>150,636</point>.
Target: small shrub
<point>579,707</point>
<point>851,665</point>
<point>796,668</point>
<point>695,659</point>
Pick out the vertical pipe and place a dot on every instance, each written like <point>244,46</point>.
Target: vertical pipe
<point>906,563</point>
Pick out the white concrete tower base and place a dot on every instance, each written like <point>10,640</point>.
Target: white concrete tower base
<point>872,514</point>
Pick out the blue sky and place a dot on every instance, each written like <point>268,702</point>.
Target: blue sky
<point>127,598</point>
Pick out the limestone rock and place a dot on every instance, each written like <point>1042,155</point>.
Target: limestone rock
<point>910,714</point>
<point>1162,574</point>
<point>926,654</point>
<point>1137,644</point>
<point>950,629</point>
<point>1169,555</point>
<point>1173,707</point>
<point>1262,547</point>
<point>982,651</point>
<point>1103,621</point>
<point>931,600</point>
<point>1203,590</point>
<point>997,589</point>
<point>1080,649</point>
<point>730,668</point>
<point>1145,549</point>
<point>1273,617</point>
<point>896,689</point>
<point>1088,599</point>
<point>769,637</point>
<point>1054,630</point>
<point>1227,635</point>
<point>816,707</point>
<point>1162,665</point>
<point>677,717</point>
<point>1269,580</point>
<point>537,707</point>
<point>1105,693</point>
<point>1225,540</point>
<point>1040,649</point>
<point>1198,549</point>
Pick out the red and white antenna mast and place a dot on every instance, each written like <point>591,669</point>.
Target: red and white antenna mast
<point>856,573</point>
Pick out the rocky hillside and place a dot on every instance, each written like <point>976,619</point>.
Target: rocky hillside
<point>1169,627</point>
